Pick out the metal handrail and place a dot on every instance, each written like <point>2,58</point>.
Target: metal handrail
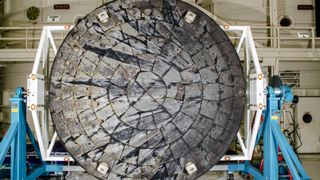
<point>26,34</point>
<point>278,37</point>
<point>276,41</point>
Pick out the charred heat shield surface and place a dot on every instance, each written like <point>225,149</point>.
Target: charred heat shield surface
<point>145,93</point>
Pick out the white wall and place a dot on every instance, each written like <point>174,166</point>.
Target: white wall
<point>300,17</point>
<point>257,11</point>
<point>15,10</point>
<point>242,11</point>
<point>309,73</point>
<point>15,75</point>
<point>233,11</point>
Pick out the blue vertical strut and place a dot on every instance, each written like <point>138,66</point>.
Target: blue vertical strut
<point>19,144</point>
<point>15,139</point>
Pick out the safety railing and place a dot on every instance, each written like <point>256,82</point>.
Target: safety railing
<point>283,37</point>
<point>267,37</point>
<point>25,37</point>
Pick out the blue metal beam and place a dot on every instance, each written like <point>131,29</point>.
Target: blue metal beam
<point>291,158</point>
<point>254,172</point>
<point>270,148</point>
<point>236,167</point>
<point>16,139</point>
<point>36,173</point>
<point>54,168</point>
<point>7,140</point>
<point>34,142</point>
<point>19,144</point>
<point>44,169</point>
<point>247,168</point>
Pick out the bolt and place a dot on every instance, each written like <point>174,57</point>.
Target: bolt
<point>103,168</point>
<point>190,17</point>
<point>191,168</point>
<point>103,17</point>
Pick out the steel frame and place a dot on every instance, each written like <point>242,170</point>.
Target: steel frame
<point>40,115</point>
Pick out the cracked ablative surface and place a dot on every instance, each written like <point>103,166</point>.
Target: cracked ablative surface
<point>146,93</point>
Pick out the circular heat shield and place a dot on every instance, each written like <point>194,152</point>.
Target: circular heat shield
<point>147,90</point>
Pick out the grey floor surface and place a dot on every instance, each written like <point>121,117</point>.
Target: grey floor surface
<point>311,163</point>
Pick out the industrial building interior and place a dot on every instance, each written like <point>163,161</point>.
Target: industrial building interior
<point>278,44</point>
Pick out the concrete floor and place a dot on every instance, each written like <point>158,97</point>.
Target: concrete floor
<point>219,176</point>
<point>311,163</point>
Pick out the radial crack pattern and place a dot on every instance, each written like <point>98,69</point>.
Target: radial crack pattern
<point>147,92</point>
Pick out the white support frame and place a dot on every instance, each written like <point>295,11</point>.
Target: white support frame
<point>247,142</point>
<point>39,112</point>
<point>255,94</point>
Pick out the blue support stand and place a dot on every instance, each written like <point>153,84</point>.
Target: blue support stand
<point>15,139</point>
<point>274,138</point>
